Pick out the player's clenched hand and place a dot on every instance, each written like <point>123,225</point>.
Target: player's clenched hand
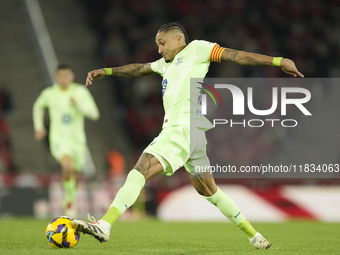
<point>39,135</point>
<point>94,75</point>
<point>289,67</point>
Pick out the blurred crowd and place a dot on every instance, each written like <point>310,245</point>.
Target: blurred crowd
<point>307,31</point>
<point>6,155</point>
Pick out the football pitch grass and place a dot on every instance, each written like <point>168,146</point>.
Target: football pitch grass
<point>27,236</point>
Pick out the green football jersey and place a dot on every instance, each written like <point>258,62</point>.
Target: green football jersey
<point>66,120</point>
<point>180,100</point>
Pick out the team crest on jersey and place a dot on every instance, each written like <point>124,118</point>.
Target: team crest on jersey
<point>66,118</point>
<point>179,60</point>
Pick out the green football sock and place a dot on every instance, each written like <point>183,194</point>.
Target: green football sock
<point>70,188</point>
<point>126,196</point>
<point>247,228</point>
<point>112,215</point>
<point>229,209</point>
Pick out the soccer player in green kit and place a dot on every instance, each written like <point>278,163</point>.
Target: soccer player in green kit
<point>171,150</point>
<point>68,104</point>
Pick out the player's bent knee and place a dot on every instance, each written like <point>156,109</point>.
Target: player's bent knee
<point>204,187</point>
<point>149,166</point>
<point>67,169</point>
<point>206,192</point>
<point>66,163</point>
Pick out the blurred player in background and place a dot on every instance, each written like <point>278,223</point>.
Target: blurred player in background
<point>171,150</point>
<point>68,104</point>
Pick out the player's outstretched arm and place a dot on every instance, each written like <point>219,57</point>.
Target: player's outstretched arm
<point>246,58</point>
<point>38,115</point>
<point>128,71</point>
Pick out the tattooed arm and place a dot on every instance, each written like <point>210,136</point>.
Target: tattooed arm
<point>129,71</point>
<point>246,58</point>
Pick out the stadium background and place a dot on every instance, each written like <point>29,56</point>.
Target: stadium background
<point>97,33</point>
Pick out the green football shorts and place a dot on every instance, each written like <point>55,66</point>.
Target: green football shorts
<point>75,151</point>
<point>172,148</point>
